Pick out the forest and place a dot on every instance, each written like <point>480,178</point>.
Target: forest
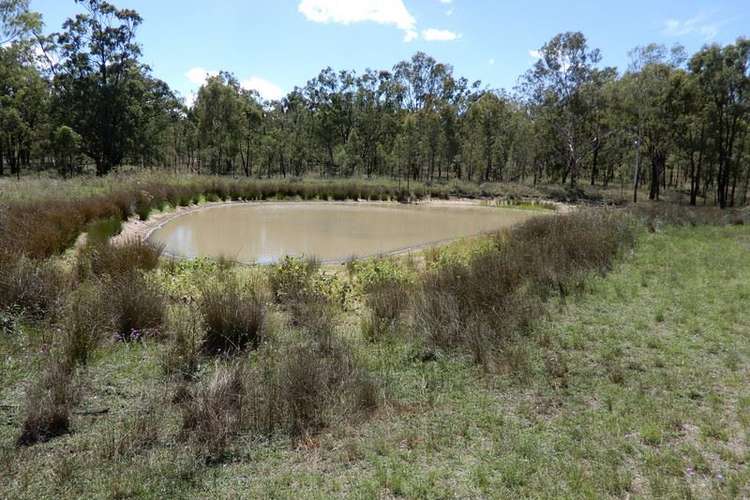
<point>81,100</point>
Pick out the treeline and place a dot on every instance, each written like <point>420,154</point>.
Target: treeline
<point>83,97</point>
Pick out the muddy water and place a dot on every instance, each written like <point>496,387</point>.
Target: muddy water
<point>329,231</point>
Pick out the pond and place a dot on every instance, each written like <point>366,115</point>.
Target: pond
<point>332,232</point>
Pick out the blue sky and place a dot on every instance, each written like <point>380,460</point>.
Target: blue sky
<point>274,45</point>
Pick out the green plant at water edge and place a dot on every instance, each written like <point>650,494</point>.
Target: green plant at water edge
<point>102,230</point>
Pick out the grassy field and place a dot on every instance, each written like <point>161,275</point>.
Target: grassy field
<point>634,385</point>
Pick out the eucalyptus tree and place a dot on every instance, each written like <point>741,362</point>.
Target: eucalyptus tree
<point>557,80</point>
<point>220,120</point>
<point>489,133</point>
<point>17,21</point>
<point>100,83</point>
<point>723,74</point>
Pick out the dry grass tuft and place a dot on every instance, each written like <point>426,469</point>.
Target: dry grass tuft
<point>48,405</point>
<point>233,315</point>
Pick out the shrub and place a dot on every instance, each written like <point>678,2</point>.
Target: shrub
<point>319,384</point>
<point>297,388</point>
<point>480,305</point>
<point>291,279</point>
<point>144,204</point>
<point>48,405</point>
<point>118,259</point>
<point>234,316</point>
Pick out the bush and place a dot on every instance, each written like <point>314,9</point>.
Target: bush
<point>318,384</point>
<point>48,405</point>
<point>297,389</point>
<point>234,317</point>
<point>291,279</point>
<point>115,260</point>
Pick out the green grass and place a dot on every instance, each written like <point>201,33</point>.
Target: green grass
<point>636,386</point>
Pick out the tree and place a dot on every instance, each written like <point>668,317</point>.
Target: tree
<point>564,68</point>
<point>101,84</point>
<point>66,143</point>
<point>723,74</point>
<point>17,21</point>
<point>220,117</point>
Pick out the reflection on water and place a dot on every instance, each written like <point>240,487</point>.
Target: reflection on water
<point>264,233</point>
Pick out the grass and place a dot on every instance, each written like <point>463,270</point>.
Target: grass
<point>632,381</point>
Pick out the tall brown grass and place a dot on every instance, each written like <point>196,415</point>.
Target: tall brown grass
<point>48,404</point>
<point>106,258</point>
<point>296,388</point>
<point>480,306</point>
<point>33,289</point>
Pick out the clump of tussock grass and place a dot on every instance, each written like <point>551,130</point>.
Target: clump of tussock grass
<point>33,289</point>
<point>48,404</point>
<point>233,314</point>
<point>137,305</point>
<point>87,320</point>
<point>212,410</point>
<point>386,302</point>
<point>296,388</point>
<point>108,259</point>
<point>185,331</point>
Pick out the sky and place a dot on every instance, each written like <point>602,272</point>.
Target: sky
<point>275,45</point>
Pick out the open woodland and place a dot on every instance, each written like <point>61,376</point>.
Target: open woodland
<point>599,349</point>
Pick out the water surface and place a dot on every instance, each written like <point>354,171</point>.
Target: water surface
<point>332,232</point>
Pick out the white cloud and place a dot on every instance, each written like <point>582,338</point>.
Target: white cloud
<point>695,25</point>
<point>388,12</point>
<point>449,12</point>
<point>491,62</point>
<point>436,35</point>
<point>446,1</point>
<point>535,54</point>
<point>190,98</point>
<point>199,75</point>
<point>267,90</point>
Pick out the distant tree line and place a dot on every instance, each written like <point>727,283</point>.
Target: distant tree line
<point>83,97</point>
